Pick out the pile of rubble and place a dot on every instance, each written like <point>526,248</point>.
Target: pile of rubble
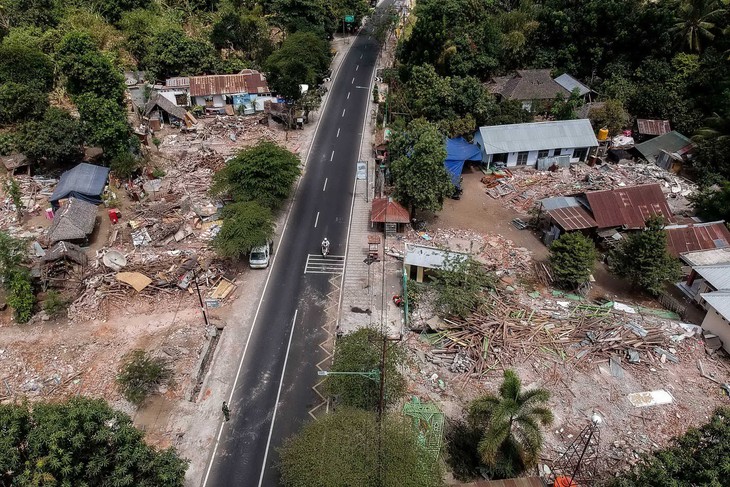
<point>507,332</point>
<point>494,250</point>
<point>524,188</point>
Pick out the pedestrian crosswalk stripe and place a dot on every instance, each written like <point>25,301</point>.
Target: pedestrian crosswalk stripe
<point>332,264</point>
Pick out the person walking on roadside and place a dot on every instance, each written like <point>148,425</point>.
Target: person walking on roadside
<point>226,411</point>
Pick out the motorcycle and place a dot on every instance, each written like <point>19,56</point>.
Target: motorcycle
<point>325,247</point>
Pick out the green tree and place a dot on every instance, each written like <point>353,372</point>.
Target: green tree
<point>713,203</point>
<point>13,252</point>
<point>12,189</point>
<point>695,22</point>
<point>420,178</point>
<point>611,115</point>
<point>460,286</point>
<point>303,16</point>
<point>25,64</point>
<point>20,294</point>
<point>245,225</point>
<point>572,257</point>
<point>644,259</point>
<point>699,457</point>
<point>349,447</point>
<point>141,375</point>
<point>19,103</point>
<point>38,13</point>
<point>510,423</point>
<point>264,173</point>
<point>361,351</point>
<point>171,52</point>
<point>245,31</point>
<point>303,58</point>
<point>124,164</point>
<point>80,442</point>
<point>566,108</point>
<point>55,139</point>
<point>104,123</point>
<point>87,69</point>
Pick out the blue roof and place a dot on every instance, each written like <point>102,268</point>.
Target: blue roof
<point>85,182</point>
<point>458,151</point>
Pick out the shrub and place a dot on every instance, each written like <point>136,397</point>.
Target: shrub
<point>572,257</point>
<point>20,295</point>
<point>141,374</point>
<point>54,303</point>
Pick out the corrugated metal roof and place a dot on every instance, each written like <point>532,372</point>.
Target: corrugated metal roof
<point>671,142</point>
<point>180,82</point>
<point>385,210</point>
<point>570,83</point>
<point>720,301</point>
<point>628,207</point>
<point>559,202</point>
<point>717,276</point>
<point>218,84</point>
<point>529,84</point>
<point>523,137</point>
<point>698,236</point>
<point>572,218</point>
<point>430,257</point>
<point>707,257</point>
<point>255,82</point>
<point>653,127</point>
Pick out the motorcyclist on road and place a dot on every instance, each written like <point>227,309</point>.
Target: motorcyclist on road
<point>325,246</point>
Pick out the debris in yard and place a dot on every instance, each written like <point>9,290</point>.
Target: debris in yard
<point>650,398</point>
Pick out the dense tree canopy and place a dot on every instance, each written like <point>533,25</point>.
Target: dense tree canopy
<point>245,225</point>
<point>420,178</point>
<point>264,173</point>
<point>56,138</point>
<point>572,257</point>
<point>303,58</point>
<point>349,447</point>
<point>361,351</point>
<point>20,102</point>
<point>699,457</point>
<point>80,442</point>
<point>644,259</point>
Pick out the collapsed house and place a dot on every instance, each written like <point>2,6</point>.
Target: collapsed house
<point>228,93</point>
<point>74,221</point>
<point>603,212</point>
<point>668,151</point>
<point>420,260</point>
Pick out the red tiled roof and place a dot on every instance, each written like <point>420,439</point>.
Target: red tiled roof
<point>628,207</point>
<point>653,127</point>
<point>572,218</point>
<point>385,210</point>
<point>219,84</point>
<point>699,236</point>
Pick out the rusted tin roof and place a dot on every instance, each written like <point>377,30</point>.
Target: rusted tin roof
<point>628,207</point>
<point>385,210</point>
<point>255,82</point>
<point>653,127</point>
<point>572,218</point>
<point>697,236</point>
<point>218,84</point>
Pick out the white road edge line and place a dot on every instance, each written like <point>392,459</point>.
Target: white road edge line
<point>273,262</point>
<point>316,220</point>
<point>325,184</point>
<point>278,396</point>
<point>354,188</point>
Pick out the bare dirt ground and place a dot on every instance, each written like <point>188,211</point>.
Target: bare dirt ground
<point>580,387</point>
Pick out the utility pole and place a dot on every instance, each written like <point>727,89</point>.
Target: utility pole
<point>200,298</point>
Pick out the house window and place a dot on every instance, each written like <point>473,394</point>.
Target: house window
<point>541,154</point>
<point>557,152</point>
<point>522,158</point>
<point>580,154</point>
<point>181,100</point>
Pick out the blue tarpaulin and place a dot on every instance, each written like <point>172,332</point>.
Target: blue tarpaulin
<point>458,151</point>
<point>85,182</point>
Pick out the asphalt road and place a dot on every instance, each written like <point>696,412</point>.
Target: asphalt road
<point>283,349</point>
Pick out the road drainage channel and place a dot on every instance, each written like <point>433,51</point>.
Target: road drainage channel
<point>215,336</point>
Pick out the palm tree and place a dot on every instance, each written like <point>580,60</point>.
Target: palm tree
<point>511,436</point>
<point>695,21</point>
